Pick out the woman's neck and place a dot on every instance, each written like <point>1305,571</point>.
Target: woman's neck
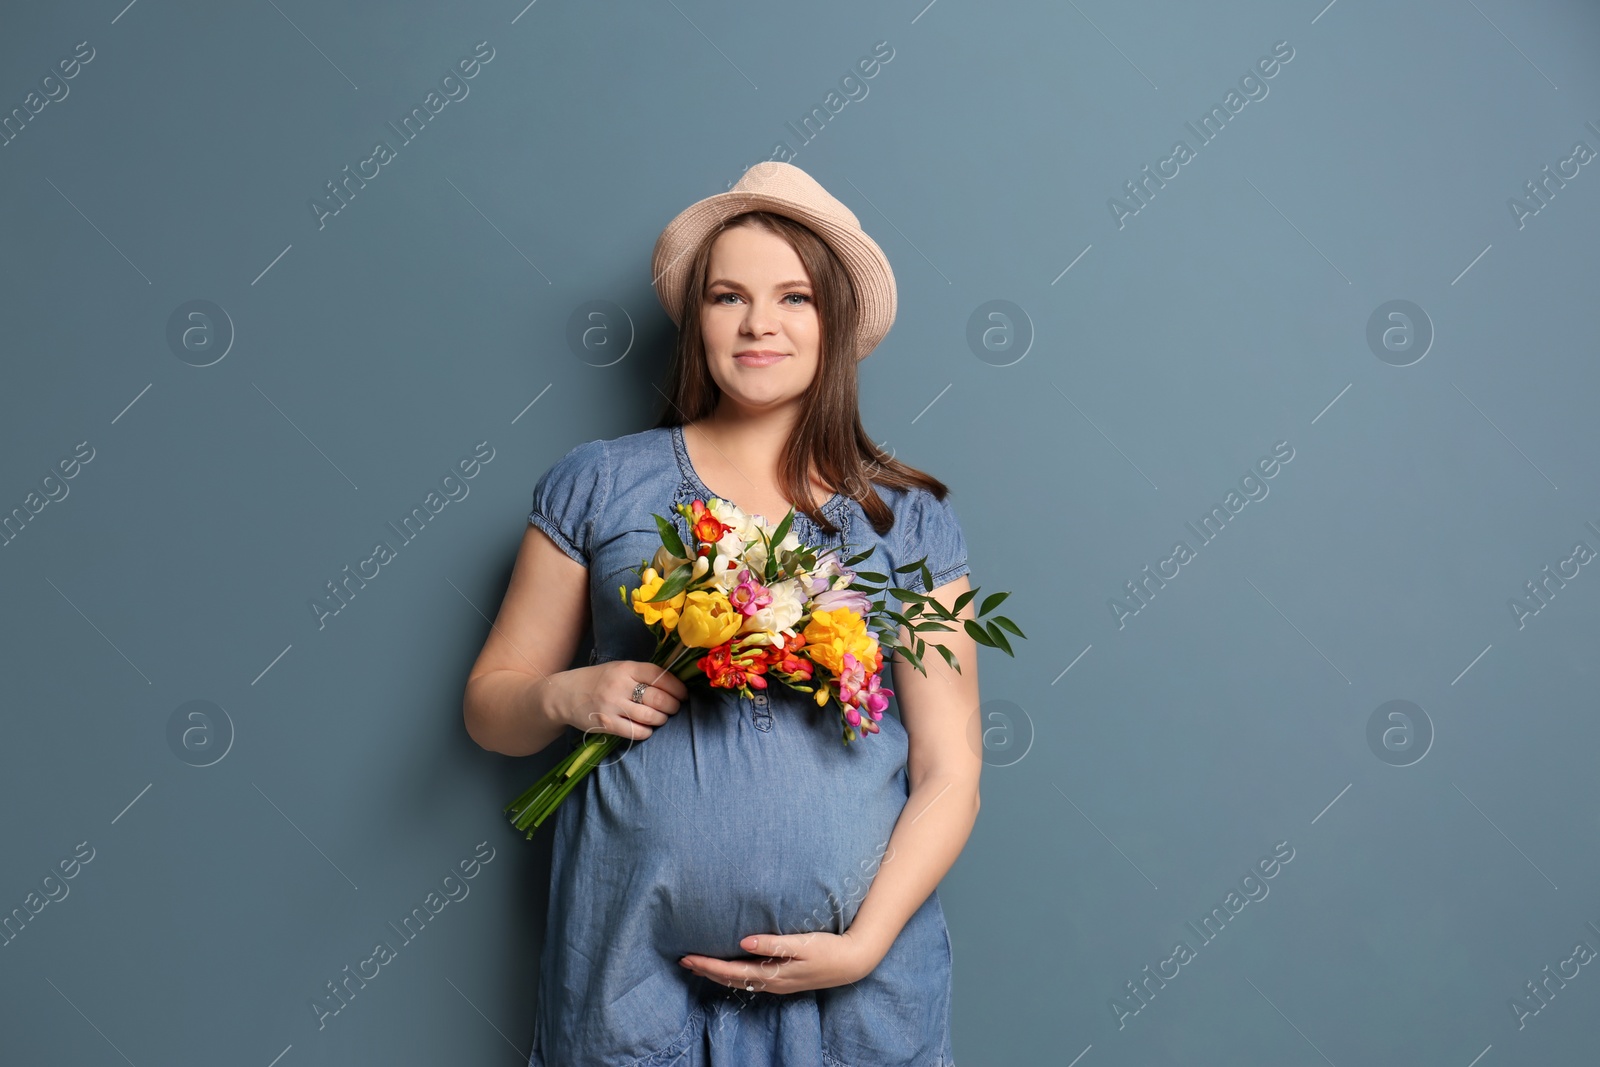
<point>751,445</point>
<point>756,438</point>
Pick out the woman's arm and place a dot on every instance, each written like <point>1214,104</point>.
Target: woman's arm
<point>534,635</point>
<point>943,763</point>
<point>520,696</point>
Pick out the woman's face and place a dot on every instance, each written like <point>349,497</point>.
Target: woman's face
<point>759,320</point>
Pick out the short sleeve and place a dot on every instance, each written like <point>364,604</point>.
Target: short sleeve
<point>570,497</point>
<point>932,531</point>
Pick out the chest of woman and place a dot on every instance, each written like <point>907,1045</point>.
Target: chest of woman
<point>651,478</point>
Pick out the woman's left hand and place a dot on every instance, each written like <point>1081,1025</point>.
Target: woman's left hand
<point>792,963</point>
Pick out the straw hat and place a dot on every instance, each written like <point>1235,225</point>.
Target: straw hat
<point>783,189</point>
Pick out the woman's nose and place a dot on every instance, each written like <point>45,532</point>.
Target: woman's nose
<point>759,321</point>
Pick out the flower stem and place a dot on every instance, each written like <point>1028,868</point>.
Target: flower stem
<point>536,804</point>
<point>675,658</point>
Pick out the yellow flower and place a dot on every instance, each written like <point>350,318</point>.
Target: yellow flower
<point>830,634</point>
<point>707,619</point>
<point>665,612</point>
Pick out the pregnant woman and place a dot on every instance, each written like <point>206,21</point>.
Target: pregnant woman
<point>736,887</point>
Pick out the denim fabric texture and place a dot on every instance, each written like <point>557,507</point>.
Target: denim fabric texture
<point>735,817</point>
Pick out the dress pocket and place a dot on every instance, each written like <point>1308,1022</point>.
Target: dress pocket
<point>899,1014</point>
<point>659,1004</point>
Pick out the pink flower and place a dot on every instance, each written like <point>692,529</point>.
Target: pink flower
<point>834,599</point>
<point>851,679</point>
<point>860,691</point>
<point>749,596</point>
<point>875,698</point>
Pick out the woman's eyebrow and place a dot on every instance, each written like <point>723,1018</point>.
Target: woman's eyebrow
<point>800,282</point>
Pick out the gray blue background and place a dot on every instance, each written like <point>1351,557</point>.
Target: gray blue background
<point>1136,772</point>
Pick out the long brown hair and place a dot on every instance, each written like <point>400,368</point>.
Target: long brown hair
<point>828,438</point>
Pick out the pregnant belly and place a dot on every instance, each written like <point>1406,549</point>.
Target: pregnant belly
<point>722,830</point>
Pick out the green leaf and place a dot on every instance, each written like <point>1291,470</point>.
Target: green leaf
<point>1000,640</point>
<point>962,601</point>
<point>670,538</point>
<point>929,624</point>
<point>674,585</point>
<point>914,610</point>
<point>873,577</point>
<point>909,567</point>
<point>927,578</point>
<point>904,595</point>
<point>783,527</point>
<point>992,602</point>
<point>949,657</point>
<point>978,633</point>
<point>914,659</point>
<point>1009,625</point>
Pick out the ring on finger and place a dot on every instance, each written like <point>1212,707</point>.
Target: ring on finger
<point>638,692</point>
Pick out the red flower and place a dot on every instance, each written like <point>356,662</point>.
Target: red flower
<point>787,662</point>
<point>724,670</point>
<point>708,529</point>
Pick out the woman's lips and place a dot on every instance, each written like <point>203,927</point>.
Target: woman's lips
<point>758,359</point>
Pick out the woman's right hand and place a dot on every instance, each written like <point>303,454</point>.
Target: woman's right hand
<point>599,698</point>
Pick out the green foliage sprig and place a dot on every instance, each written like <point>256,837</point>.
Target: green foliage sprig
<point>926,613</point>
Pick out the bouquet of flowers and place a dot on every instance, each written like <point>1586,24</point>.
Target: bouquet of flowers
<point>749,605</point>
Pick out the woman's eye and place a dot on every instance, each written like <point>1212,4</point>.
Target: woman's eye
<point>804,299</point>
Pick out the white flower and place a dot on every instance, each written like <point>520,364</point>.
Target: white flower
<point>665,562</point>
<point>757,552</point>
<point>779,617</point>
<point>827,566</point>
<point>755,556</point>
<point>730,561</point>
<point>728,513</point>
<point>742,545</point>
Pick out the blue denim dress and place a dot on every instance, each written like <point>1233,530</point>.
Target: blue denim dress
<point>735,817</point>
